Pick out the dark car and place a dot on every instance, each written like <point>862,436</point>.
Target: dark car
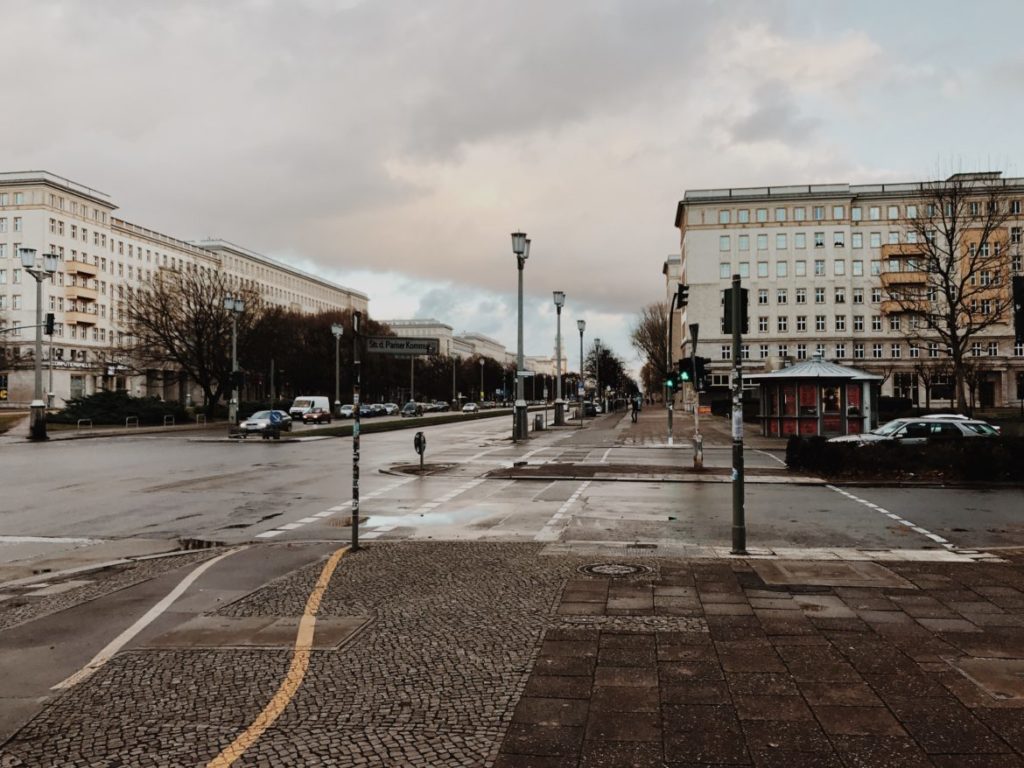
<point>316,416</point>
<point>379,409</point>
<point>366,411</point>
<point>589,409</point>
<point>412,409</point>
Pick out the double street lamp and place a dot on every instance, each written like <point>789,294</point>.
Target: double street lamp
<point>521,248</point>
<point>582,325</point>
<point>338,330</point>
<point>37,421</point>
<point>559,404</point>
<point>235,305</point>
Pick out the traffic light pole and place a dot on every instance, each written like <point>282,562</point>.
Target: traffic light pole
<point>356,383</point>
<point>698,440</point>
<point>739,525</point>
<point>669,368</point>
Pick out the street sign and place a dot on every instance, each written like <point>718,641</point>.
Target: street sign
<point>402,345</point>
<point>525,374</point>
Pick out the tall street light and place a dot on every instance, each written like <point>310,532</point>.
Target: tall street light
<point>37,421</point>
<point>481,380</point>
<point>559,405</point>
<point>236,306</point>
<point>455,397</point>
<point>521,248</point>
<point>582,325</point>
<point>597,372</point>
<point>338,330</point>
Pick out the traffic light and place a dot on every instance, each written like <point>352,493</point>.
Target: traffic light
<point>682,296</point>
<point>237,379</point>
<point>700,373</point>
<point>48,329</point>
<point>727,315</point>
<point>1018,308</point>
<point>685,370</point>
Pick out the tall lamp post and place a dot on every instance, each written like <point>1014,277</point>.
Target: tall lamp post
<point>338,330</point>
<point>582,325</point>
<point>236,306</point>
<point>455,396</point>
<point>481,380</point>
<point>559,404</point>
<point>37,421</point>
<point>521,248</point>
<point>597,372</point>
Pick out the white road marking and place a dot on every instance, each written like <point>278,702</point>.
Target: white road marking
<point>145,620</point>
<point>771,456</point>
<point>896,518</point>
<point>604,459</point>
<point>551,530</point>
<point>268,534</point>
<point>44,540</point>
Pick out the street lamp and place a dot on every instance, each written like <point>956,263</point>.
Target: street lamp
<point>521,248</point>
<point>559,405</point>
<point>582,325</point>
<point>338,330</point>
<point>481,381</point>
<point>236,306</point>
<point>37,421</point>
<point>597,372</point>
<point>455,396</point>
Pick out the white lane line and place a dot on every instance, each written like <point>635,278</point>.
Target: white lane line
<point>307,520</point>
<point>553,527</point>
<point>44,540</point>
<point>771,456</point>
<point>604,459</point>
<point>145,620</point>
<point>268,534</point>
<point>896,518</point>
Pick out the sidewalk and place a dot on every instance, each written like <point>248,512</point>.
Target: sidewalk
<point>652,429</point>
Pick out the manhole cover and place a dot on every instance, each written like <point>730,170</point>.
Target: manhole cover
<point>615,570</point>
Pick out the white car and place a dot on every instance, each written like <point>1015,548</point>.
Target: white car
<point>470,408</point>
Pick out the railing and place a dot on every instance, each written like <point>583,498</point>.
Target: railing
<point>87,422</point>
<point>200,418</point>
<point>131,421</point>
<point>168,420</point>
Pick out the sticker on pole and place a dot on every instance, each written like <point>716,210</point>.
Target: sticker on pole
<point>737,425</point>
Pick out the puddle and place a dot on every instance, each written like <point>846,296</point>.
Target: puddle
<point>426,519</point>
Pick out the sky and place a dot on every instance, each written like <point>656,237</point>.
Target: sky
<point>393,146</point>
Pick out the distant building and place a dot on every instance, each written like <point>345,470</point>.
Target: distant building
<point>426,329</point>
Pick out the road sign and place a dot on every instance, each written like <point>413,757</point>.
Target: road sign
<point>402,345</point>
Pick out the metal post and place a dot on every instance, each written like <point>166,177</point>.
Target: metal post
<point>38,420</point>
<point>272,398</point>
<point>597,371</point>
<point>455,397</point>
<point>739,525</point>
<point>233,405</point>
<point>49,366</point>
<point>581,386</point>
<point>559,403</point>
<point>412,379</point>
<point>668,367</point>
<point>356,381</point>
<point>481,380</point>
<point>337,329</point>
<point>519,426</point>
<point>698,439</point>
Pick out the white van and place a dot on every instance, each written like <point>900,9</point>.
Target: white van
<point>305,403</point>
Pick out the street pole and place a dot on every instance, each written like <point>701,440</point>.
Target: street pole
<point>739,525</point>
<point>356,382</point>
<point>521,248</point>
<point>581,388</point>
<point>235,305</point>
<point>412,379</point>
<point>272,384</point>
<point>49,367</point>
<point>37,419</point>
<point>698,440</point>
<point>481,381</point>
<point>455,365</point>
<point>559,403</point>
<point>668,367</point>
<point>597,372</point>
<point>338,330</point>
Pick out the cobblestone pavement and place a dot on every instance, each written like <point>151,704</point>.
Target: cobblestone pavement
<point>482,654</point>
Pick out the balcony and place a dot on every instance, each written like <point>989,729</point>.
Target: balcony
<point>80,318</point>
<point>893,307</point>
<point>915,277</point>
<point>73,266</point>
<point>74,292</point>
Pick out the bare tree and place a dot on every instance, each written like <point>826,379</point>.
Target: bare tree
<point>650,338</point>
<point>954,276</point>
<point>178,320</point>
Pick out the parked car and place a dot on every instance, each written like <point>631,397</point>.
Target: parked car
<point>914,431</point>
<point>440,406</point>
<point>391,408</point>
<point>366,411</point>
<point>259,423</point>
<point>412,409</point>
<point>590,409</point>
<point>316,416</point>
<point>470,408</point>
<point>347,411</point>
<point>379,409</point>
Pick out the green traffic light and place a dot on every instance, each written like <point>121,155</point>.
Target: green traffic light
<point>670,383</point>
<point>685,376</point>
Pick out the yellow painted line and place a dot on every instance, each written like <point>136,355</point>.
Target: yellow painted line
<point>293,679</point>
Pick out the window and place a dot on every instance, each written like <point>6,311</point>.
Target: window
<point>911,237</point>
<point>724,243</point>
<point>783,323</point>
<point>744,242</point>
<point>801,295</point>
<point>726,352</point>
<point>1015,207</point>
<point>780,214</point>
<point>1018,351</point>
<point>801,351</point>
<point>858,350</point>
<point>911,211</point>
<point>744,269</point>
<point>933,349</point>
<point>1015,235</point>
<point>894,238</point>
<point>745,351</point>
<point>876,322</point>
<point>762,324</point>
<point>874,213</point>
<point>915,351</point>
<point>762,214</point>
<point>876,267</point>
<point>858,323</point>
<point>800,240</point>
<point>781,268</point>
<point>838,239</point>
<point>762,295</point>
<point>762,351</point>
<point>857,240</point>
<point>16,276</point>
<point>801,323</point>
<point>724,270</point>
<point>819,267</point>
<point>781,296</point>
<point>975,209</point>
<point>799,214</point>
<point>840,351</point>
<point>819,295</point>
<point>780,242</point>
<point>17,223</point>
<point>819,239</point>
<point>743,216</point>
<point>762,242</point>
<point>876,351</point>
<point>723,217</point>
<point>993,349</point>
<point>3,224</point>
<point>893,212</point>
<point>976,349</point>
<point>837,212</point>
<point>876,239</point>
<point>819,322</point>
<point>876,295</point>
<point>839,267</point>
<point>840,295</point>
<point>783,350</point>
<point>857,267</point>
<point>840,322</point>
<point>894,322</point>
<point>762,269</point>
<point>800,268</point>
<point>3,277</point>
<point>855,213</point>
<point>819,212</point>
<point>19,198</point>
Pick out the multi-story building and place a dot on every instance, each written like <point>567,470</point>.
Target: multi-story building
<point>102,257</point>
<point>426,329</point>
<point>820,263</point>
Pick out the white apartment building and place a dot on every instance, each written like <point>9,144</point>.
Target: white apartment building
<point>100,258</point>
<point>816,260</point>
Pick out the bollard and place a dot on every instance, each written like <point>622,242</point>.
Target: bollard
<point>698,451</point>
<point>419,442</point>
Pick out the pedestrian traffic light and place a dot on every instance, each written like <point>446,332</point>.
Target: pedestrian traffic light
<point>727,300</point>
<point>700,373</point>
<point>49,324</point>
<point>1018,308</point>
<point>682,296</point>
<point>685,370</point>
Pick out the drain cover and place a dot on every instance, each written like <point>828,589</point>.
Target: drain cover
<point>615,570</point>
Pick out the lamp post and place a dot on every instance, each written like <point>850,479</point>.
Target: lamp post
<point>481,381</point>
<point>521,248</point>
<point>236,306</point>
<point>559,404</point>
<point>455,396</point>
<point>582,325</point>
<point>37,421</point>
<point>338,330</point>
<point>597,371</point>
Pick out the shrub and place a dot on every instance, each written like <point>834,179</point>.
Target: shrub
<point>115,407</point>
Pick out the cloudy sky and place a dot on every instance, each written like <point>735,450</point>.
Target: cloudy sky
<point>393,145</point>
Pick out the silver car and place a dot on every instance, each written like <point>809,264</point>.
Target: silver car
<point>920,430</point>
<point>260,423</point>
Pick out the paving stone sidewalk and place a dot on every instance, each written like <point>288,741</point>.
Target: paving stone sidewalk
<point>493,654</point>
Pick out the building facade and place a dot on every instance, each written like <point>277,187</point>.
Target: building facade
<point>820,263</point>
<point>100,258</point>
